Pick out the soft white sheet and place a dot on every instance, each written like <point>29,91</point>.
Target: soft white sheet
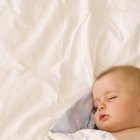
<point>50,51</point>
<point>84,134</point>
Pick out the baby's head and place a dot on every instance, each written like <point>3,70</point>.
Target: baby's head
<point>116,95</point>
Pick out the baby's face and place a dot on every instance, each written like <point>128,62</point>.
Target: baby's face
<point>117,107</point>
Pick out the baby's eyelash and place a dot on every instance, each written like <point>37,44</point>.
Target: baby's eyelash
<point>112,98</point>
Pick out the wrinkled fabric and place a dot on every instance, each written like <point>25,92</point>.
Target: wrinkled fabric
<point>50,53</point>
<point>78,116</point>
<point>85,134</point>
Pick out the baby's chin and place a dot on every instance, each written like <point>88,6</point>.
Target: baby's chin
<point>110,128</point>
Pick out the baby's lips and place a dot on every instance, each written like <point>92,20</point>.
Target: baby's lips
<point>103,117</point>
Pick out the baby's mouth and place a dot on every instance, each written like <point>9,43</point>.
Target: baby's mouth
<point>103,117</point>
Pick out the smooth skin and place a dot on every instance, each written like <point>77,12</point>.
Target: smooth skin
<point>117,104</point>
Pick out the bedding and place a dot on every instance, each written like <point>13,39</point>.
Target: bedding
<point>78,116</point>
<point>50,53</point>
<point>84,134</point>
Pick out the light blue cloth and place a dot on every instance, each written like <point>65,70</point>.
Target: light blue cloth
<point>78,116</point>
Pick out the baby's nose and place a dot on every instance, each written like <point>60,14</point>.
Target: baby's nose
<point>102,106</point>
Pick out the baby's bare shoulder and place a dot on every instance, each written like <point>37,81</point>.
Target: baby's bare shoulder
<point>128,134</point>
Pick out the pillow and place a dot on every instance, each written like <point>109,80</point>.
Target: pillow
<point>78,116</point>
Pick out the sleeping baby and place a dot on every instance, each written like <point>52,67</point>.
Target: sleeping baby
<point>116,96</point>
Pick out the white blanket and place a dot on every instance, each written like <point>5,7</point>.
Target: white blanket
<point>85,134</point>
<point>50,52</point>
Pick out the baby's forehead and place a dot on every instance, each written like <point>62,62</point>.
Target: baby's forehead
<point>128,81</point>
<point>132,76</point>
<point>126,73</point>
<point>111,77</point>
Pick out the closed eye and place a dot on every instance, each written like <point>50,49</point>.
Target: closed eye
<point>111,98</point>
